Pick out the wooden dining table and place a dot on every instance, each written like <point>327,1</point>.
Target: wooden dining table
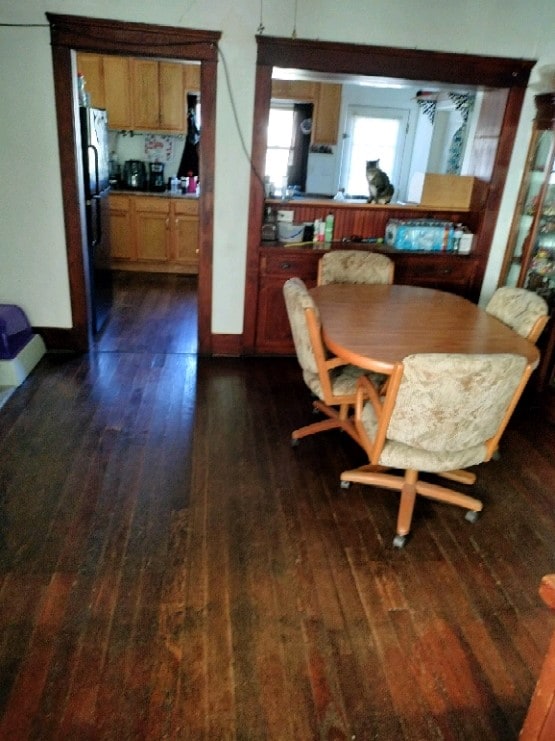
<point>376,326</point>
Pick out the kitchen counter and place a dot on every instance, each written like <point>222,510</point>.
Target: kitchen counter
<point>153,194</point>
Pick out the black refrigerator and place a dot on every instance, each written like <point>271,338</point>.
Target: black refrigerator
<point>94,138</point>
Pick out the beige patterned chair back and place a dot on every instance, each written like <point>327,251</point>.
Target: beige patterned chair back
<point>355,266</point>
<point>452,402</point>
<point>520,309</point>
<point>297,299</point>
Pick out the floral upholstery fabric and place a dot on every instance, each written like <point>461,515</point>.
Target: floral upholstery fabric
<point>447,407</point>
<point>343,379</point>
<point>355,266</point>
<point>517,307</point>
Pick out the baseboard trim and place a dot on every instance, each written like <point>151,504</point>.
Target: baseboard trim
<point>227,344</point>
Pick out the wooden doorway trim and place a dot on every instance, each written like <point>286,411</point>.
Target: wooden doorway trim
<point>70,34</point>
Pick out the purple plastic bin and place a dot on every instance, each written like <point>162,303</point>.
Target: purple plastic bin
<point>15,331</point>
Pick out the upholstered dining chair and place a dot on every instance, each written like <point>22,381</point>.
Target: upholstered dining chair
<point>331,380</point>
<point>521,309</point>
<point>354,266</point>
<point>441,413</point>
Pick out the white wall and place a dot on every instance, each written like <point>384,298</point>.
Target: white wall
<point>33,270</point>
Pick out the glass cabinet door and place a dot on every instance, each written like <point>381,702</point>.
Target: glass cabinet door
<point>537,269</point>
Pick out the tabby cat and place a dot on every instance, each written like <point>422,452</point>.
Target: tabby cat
<point>381,190</point>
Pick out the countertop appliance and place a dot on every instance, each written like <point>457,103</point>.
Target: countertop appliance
<point>134,175</point>
<point>94,139</point>
<point>156,181</point>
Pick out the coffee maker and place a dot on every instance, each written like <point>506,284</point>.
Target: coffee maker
<point>156,177</point>
<point>134,174</point>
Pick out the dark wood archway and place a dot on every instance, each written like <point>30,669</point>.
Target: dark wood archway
<point>70,34</point>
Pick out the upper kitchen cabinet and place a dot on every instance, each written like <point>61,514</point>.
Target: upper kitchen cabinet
<point>158,95</point>
<point>138,93</point>
<point>117,97</point>
<point>92,69</point>
<point>326,99</point>
<point>325,124</point>
<point>145,93</point>
<point>192,78</point>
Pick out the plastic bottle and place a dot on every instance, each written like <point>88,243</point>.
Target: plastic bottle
<point>316,235</point>
<point>81,90</point>
<point>328,228</point>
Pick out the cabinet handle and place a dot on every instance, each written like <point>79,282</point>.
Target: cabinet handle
<point>285,265</point>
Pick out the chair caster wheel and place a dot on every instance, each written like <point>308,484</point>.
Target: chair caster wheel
<point>294,442</point>
<point>399,541</point>
<point>344,484</point>
<point>472,516</point>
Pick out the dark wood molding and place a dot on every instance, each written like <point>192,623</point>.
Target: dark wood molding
<point>75,33</point>
<point>387,61</point>
<point>57,340</point>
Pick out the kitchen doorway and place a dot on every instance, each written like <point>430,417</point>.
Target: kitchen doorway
<point>70,34</point>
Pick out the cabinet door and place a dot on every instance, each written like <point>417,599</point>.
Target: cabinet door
<point>92,68</point>
<point>299,90</point>
<point>117,92</point>
<point>191,78</point>
<point>121,236</point>
<point>185,234</point>
<point>172,96</point>
<point>145,94</point>
<point>325,129</point>
<point>273,332</point>
<point>152,228</point>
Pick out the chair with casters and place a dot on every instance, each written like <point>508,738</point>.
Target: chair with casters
<point>332,381</point>
<point>441,413</point>
<point>520,309</point>
<point>354,266</point>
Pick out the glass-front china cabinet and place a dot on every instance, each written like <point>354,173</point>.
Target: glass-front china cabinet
<point>530,256</point>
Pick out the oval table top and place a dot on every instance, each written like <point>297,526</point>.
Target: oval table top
<point>375,326</point>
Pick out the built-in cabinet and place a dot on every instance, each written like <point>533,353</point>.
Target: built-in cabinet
<point>139,93</point>
<point>326,99</point>
<point>154,233</point>
<point>447,272</point>
<point>530,256</point>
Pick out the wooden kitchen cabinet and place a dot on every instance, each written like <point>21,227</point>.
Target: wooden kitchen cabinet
<point>152,228</point>
<point>185,234</point>
<point>325,125</point>
<point>154,233</point>
<point>117,92</point>
<point>326,99</point>
<point>158,90</point>
<point>121,245</point>
<point>139,94</point>
<point>443,271</point>
<point>92,68</point>
<point>145,94</point>
<point>191,82</point>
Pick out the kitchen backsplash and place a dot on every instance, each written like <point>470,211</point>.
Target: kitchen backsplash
<point>148,148</point>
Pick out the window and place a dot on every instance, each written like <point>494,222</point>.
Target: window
<point>280,137</point>
<point>371,134</point>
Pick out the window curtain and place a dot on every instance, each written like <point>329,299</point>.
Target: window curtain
<point>300,145</point>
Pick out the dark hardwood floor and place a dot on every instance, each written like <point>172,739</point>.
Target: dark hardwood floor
<point>172,569</point>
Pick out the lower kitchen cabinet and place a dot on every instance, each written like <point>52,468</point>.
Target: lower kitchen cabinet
<point>445,271</point>
<point>155,234</point>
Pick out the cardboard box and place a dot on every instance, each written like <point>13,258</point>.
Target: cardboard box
<point>453,191</point>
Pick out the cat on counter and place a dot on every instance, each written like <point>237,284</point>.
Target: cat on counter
<point>379,186</point>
